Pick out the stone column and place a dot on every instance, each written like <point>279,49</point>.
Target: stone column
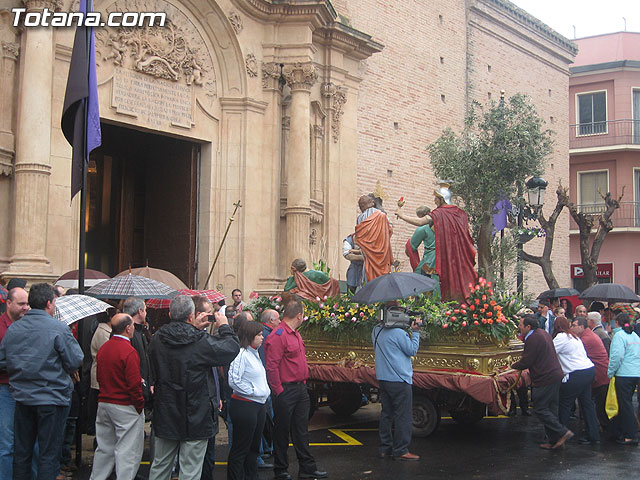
<point>33,151</point>
<point>300,77</point>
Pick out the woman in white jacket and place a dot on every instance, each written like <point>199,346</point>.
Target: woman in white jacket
<point>248,379</point>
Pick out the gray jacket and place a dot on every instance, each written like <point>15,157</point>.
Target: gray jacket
<point>39,352</point>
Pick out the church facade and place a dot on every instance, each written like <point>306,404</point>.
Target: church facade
<point>254,122</point>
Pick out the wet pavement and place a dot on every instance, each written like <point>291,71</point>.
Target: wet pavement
<point>494,448</point>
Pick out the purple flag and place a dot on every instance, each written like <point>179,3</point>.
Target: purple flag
<point>80,115</point>
<point>500,215</point>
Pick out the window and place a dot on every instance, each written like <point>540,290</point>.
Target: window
<point>591,184</point>
<point>592,113</point>
<point>636,117</point>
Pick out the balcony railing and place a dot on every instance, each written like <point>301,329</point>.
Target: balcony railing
<point>604,134</point>
<point>628,215</point>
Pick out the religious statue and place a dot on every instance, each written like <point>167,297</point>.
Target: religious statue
<point>454,251</point>
<point>355,272</point>
<point>373,237</point>
<point>423,234</point>
<point>310,284</point>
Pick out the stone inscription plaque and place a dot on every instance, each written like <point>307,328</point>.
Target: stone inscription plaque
<point>155,102</point>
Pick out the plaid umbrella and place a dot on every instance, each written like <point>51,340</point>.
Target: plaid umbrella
<point>131,286</point>
<point>626,308</point>
<point>213,295</point>
<point>71,308</point>
<point>162,276</point>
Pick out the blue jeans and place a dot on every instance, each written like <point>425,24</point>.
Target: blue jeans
<point>7,406</point>
<point>396,419</point>
<point>44,423</point>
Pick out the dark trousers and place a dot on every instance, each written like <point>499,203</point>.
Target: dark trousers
<point>209,460</point>
<point>578,386</point>
<point>291,415</point>
<point>396,418</point>
<point>44,423</point>
<point>248,423</point>
<point>599,395</point>
<point>545,407</point>
<point>625,422</point>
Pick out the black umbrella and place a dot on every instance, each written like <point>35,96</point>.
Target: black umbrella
<point>609,292</point>
<point>394,286</point>
<point>558,292</point>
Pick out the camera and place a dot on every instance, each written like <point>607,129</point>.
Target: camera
<point>398,317</point>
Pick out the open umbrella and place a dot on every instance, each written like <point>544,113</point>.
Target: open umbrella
<point>394,286</point>
<point>558,292</point>
<point>91,277</point>
<point>213,295</point>
<point>71,308</point>
<point>131,286</point>
<point>157,274</point>
<point>609,292</point>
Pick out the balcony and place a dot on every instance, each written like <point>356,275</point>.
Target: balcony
<point>627,216</point>
<point>604,134</point>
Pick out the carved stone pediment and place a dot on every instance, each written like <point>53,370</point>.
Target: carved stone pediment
<point>337,97</point>
<point>175,52</point>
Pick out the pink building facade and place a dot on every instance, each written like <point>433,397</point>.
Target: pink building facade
<point>604,149</point>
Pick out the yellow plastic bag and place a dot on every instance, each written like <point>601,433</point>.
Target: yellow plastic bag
<point>611,405</point>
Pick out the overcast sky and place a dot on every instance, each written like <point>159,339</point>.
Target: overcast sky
<point>590,17</point>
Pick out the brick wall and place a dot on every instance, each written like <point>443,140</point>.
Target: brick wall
<point>438,57</point>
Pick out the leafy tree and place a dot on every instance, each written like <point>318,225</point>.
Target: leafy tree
<point>500,146</point>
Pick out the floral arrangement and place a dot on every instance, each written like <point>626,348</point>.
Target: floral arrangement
<point>485,312</point>
<point>531,232</point>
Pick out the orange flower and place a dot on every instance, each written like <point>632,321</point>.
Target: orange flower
<point>489,321</point>
<point>486,305</point>
<point>477,300</point>
<point>475,316</point>
<point>484,298</point>
<point>472,307</point>
<point>484,320</point>
<point>489,314</point>
<point>492,302</point>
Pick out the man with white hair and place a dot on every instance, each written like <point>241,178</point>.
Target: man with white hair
<point>594,321</point>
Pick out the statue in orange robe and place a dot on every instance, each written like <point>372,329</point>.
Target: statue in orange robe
<point>373,236</point>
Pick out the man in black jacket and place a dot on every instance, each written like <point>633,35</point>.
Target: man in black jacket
<point>181,357</point>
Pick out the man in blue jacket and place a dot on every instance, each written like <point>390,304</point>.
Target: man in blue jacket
<point>40,355</point>
<point>394,348</point>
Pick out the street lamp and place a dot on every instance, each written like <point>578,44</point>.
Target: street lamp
<point>536,188</point>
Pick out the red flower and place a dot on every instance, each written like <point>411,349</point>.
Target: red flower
<point>447,313</point>
<point>484,320</point>
<point>445,325</point>
<point>453,319</point>
<point>464,312</point>
<point>472,307</point>
<point>489,284</point>
<point>484,298</point>
<point>489,314</point>
<point>477,300</point>
<point>489,321</point>
<point>475,323</point>
<point>456,311</point>
<point>475,316</point>
<point>464,324</point>
<point>477,287</point>
<point>463,306</point>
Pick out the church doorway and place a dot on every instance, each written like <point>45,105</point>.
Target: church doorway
<point>142,203</point>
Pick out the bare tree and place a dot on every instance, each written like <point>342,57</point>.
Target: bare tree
<point>544,260</point>
<point>589,251</point>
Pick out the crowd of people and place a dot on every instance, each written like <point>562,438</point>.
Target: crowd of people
<point>212,360</point>
<point>575,358</point>
<point>180,375</point>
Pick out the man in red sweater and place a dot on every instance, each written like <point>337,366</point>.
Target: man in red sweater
<point>539,356</point>
<point>597,353</point>
<point>120,418</point>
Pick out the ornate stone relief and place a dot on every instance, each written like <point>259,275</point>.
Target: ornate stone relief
<point>300,75</point>
<point>271,73</point>
<point>236,21</point>
<point>34,5</point>
<point>175,52</point>
<point>337,97</point>
<point>318,131</point>
<point>313,237</point>
<point>10,50</point>
<point>252,65</point>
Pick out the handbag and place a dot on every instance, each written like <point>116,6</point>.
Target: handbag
<point>611,404</point>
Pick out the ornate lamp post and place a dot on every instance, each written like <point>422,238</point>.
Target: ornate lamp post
<point>536,188</point>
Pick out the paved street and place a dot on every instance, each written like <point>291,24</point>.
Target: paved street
<point>494,448</point>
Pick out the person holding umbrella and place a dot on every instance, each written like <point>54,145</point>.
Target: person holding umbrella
<point>624,365</point>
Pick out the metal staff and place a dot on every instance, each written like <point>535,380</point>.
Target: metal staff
<point>231,219</point>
